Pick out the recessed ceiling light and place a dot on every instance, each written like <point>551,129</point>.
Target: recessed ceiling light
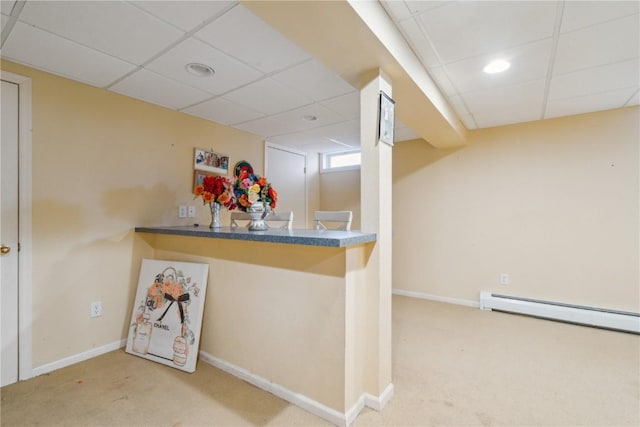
<point>200,70</point>
<point>310,118</point>
<point>497,66</point>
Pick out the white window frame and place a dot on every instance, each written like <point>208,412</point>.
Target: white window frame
<point>325,157</point>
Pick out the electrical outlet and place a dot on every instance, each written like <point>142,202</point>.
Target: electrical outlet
<point>192,212</point>
<point>504,279</point>
<point>96,309</point>
<point>182,211</point>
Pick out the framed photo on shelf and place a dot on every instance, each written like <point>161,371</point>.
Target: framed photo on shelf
<point>386,118</point>
<point>210,161</point>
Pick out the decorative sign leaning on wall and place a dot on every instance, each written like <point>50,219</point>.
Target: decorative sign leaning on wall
<point>167,315</point>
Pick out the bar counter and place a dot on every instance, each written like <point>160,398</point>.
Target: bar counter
<point>330,238</point>
<point>287,310</point>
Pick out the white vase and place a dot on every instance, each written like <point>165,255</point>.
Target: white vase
<point>257,212</point>
<point>215,215</point>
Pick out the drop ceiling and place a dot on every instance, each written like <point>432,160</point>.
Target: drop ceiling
<point>567,58</point>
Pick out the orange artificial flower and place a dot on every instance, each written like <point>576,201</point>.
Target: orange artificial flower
<point>224,198</point>
<point>208,197</point>
<point>243,200</point>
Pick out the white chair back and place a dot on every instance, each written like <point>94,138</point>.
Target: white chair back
<point>284,219</point>
<point>338,220</point>
<point>239,216</point>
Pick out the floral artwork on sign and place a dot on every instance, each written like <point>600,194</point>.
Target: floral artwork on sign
<point>167,315</point>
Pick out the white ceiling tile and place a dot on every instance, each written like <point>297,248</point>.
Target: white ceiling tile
<point>587,104</point>
<point>6,6</point>
<point>268,97</point>
<point>5,19</point>
<point>457,103</point>
<point>440,77</point>
<point>465,29</point>
<point>313,80</point>
<point>528,62</point>
<point>295,120</point>
<point>296,139</point>
<point>293,144</point>
<point>590,47</point>
<point>468,121</point>
<point>634,100</point>
<point>156,89</point>
<point>241,34</point>
<point>229,73</point>
<point>113,27</point>
<point>595,80</point>
<point>291,121</point>
<point>323,146</point>
<point>579,14</point>
<point>39,49</point>
<point>397,10</point>
<point>185,15</point>
<point>419,6</point>
<point>502,118</point>
<point>344,135</point>
<point>347,106</point>
<point>263,126</point>
<point>309,143</point>
<point>419,43</point>
<point>464,34</point>
<point>223,111</point>
<point>526,97</point>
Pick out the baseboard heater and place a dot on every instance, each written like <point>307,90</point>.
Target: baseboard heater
<point>582,315</point>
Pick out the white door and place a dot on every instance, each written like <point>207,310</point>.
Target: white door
<point>286,169</point>
<point>9,233</point>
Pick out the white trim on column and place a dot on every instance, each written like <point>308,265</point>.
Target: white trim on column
<point>25,356</point>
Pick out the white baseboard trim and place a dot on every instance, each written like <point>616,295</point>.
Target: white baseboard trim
<point>457,301</point>
<point>374,402</point>
<point>67,361</point>
<point>378,403</point>
<point>316,408</point>
<point>371,401</point>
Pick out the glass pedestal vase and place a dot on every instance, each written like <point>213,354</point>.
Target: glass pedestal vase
<point>215,215</point>
<point>257,212</point>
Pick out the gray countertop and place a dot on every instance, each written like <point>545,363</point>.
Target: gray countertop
<point>329,238</point>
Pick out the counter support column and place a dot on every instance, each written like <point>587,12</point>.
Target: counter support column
<point>376,205</point>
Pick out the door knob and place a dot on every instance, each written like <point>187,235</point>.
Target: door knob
<point>5,249</point>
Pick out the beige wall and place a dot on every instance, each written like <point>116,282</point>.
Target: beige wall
<point>103,164</point>
<point>554,204</point>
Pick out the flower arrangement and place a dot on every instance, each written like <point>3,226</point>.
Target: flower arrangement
<point>216,189</point>
<point>238,193</point>
<point>249,188</point>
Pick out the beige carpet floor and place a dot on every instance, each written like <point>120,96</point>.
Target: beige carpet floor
<point>452,366</point>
